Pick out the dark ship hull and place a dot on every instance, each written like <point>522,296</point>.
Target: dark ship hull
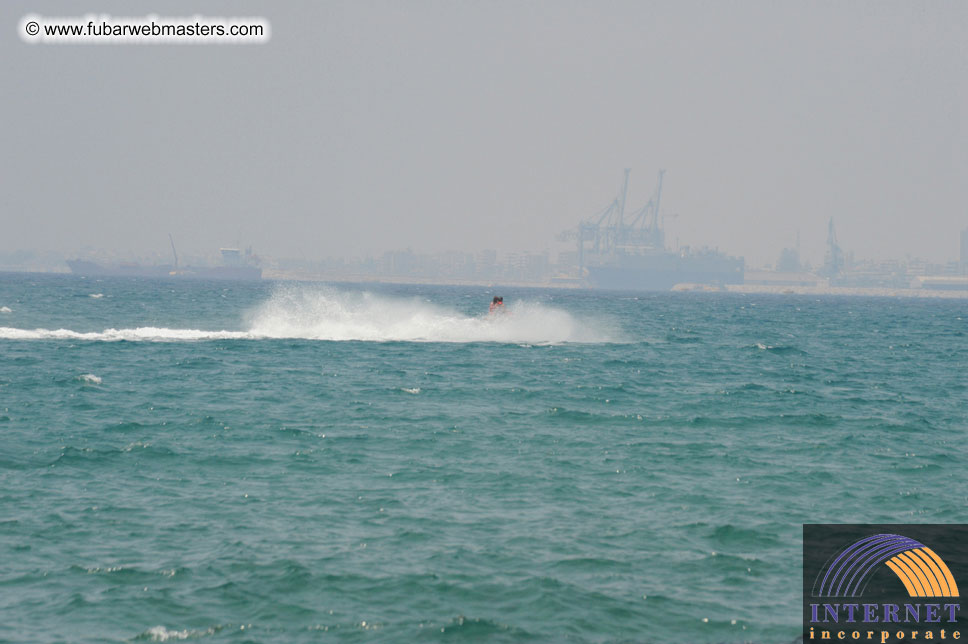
<point>627,252</point>
<point>662,270</point>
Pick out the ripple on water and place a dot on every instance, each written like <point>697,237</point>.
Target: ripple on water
<point>430,491</point>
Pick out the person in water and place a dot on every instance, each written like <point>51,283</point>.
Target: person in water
<point>497,305</point>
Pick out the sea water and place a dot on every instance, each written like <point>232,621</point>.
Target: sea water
<point>273,462</point>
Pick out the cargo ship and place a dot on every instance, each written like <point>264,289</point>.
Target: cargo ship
<point>236,265</point>
<point>627,252</point>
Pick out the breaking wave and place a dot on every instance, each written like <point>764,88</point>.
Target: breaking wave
<point>140,334</point>
<point>335,315</point>
<point>162,634</point>
<point>299,313</point>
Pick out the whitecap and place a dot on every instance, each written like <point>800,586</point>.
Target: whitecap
<point>89,379</point>
<point>313,314</point>
<point>162,634</point>
<point>96,296</point>
<point>139,334</point>
<point>327,314</point>
<point>5,309</point>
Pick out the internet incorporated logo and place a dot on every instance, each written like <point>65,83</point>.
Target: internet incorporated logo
<point>907,587</point>
<point>922,572</point>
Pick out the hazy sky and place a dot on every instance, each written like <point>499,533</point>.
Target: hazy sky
<point>364,126</point>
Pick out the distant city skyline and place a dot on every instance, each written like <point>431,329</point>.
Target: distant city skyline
<point>521,266</point>
<point>364,127</point>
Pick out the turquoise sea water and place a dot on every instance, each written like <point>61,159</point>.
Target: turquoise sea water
<point>294,463</point>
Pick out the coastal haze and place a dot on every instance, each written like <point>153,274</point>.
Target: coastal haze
<point>475,321</point>
<point>362,128</point>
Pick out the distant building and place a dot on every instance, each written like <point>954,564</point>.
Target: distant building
<point>789,261</point>
<point>833,261</point>
<point>964,252</point>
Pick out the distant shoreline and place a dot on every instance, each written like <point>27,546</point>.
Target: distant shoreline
<point>748,289</point>
<point>847,291</point>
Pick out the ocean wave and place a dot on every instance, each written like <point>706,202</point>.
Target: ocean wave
<point>335,315</point>
<point>139,334</point>
<point>299,313</point>
<point>779,349</point>
<point>162,634</point>
<point>70,455</point>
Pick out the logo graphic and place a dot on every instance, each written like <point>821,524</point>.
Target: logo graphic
<point>919,568</point>
<point>883,583</point>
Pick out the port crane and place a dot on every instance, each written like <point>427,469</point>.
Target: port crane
<point>612,231</point>
<point>833,261</point>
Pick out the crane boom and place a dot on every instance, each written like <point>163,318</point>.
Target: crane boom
<point>173,250</point>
